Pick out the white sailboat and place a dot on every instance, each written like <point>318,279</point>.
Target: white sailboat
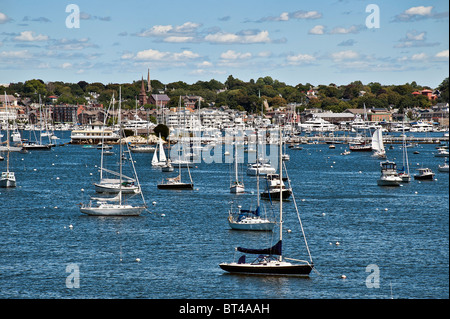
<point>237,186</point>
<point>125,184</point>
<point>404,172</point>
<point>270,261</point>
<point>378,144</point>
<point>8,178</point>
<point>103,207</point>
<point>249,219</point>
<point>159,156</point>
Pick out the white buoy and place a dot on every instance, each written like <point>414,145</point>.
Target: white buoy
<point>338,243</point>
<point>343,276</point>
<point>153,203</point>
<point>57,178</point>
<point>71,226</point>
<point>138,259</point>
<point>289,230</point>
<point>34,169</point>
<point>385,209</point>
<point>415,193</point>
<point>163,215</point>
<point>323,214</point>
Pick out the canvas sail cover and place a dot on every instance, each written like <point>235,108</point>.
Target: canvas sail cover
<point>274,250</point>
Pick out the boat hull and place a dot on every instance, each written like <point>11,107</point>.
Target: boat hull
<point>269,269</point>
<point>112,211</point>
<point>387,182</point>
<point>36,147</point>
<point>262,226</point>
<point>114,189</point>
<point>275,195</point>
<point>176,186</point>
<point>428,177</point>
<point>7,183</point>
<point>235,189</point>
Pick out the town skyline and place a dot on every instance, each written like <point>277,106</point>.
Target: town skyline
<point>322,42</point>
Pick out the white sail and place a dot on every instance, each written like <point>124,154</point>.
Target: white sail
<point>162,154</point>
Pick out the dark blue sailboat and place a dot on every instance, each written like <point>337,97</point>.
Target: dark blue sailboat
<point>270,261</point>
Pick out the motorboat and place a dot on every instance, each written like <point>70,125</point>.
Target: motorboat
<point>424,174</point>
<point>389,175</point>
<point>274,187</point>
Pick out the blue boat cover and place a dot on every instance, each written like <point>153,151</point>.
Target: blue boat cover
<point>274,250</point>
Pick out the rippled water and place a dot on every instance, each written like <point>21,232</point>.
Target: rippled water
<point>403,231</point>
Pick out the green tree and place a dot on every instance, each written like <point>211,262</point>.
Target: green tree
<point>163,130</point>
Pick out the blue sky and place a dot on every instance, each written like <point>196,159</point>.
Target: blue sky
<point>293,41</point>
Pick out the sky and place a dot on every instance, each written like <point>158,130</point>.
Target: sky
<point>292,41</point>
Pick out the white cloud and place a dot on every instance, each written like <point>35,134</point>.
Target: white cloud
<point>442,54</point>
<point>318,29</point>
<point>415,37</point>
<point>419,57</point>
<point>233,55</point>
<point>4,18</point>
<point>23,54</point>
<point>341,30</point>
<point>224,37</point>
<point>178,39</point>
<point>205,64</point>
<point>29,36</point>
<point>344,55</point>
<point>419,13</point>
<point>169,30</point>
<point>66,65</point>
<point>264,54</point>
<point>155,55</point>
<point>420,10</point>
<point>306,15</point>
<point>300,59</point>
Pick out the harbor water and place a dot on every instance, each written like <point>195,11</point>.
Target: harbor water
<point>366,241</point>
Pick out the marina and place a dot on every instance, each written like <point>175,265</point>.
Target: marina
<point>351,223</point>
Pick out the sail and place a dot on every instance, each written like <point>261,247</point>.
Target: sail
<point>155,158</point>
<point>274,250</point>
<point>376,141</point>
<point>248,211</point>
<point>162,155</point>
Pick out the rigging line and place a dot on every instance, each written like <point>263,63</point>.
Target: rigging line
<point>298,214</point>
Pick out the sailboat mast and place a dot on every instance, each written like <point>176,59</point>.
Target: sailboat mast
<point>280,159</point>
<point>7,136</point>
<point>257,167</point>
<point>119,118</point>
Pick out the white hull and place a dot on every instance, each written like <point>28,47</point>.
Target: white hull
<point>443,168</point>
<point>113,188</point>
<point>235,189</point>
<point>389,181</point>
<point>252,224</point>
<point>253,171</point>
<point>112,210</point>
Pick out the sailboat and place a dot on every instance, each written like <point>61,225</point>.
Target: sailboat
<point>103,207</point>
<point>124,184</point>
<point>159,160</point>
<point>270,261</point>
<point>38,145</point>
<point>8,179</point>
<point>175,182</point>
<point>404,172</point>
<point>378,144</point>
<point>237,186</point>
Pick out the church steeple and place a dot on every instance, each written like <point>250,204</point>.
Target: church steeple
<point>142,94</point>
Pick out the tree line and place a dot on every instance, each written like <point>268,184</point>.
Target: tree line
<point>238,94</point>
